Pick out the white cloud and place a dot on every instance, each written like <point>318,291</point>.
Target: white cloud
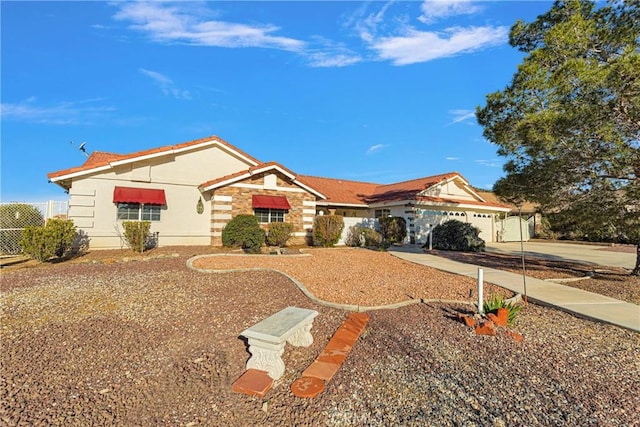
<point>189,24</point>
<point>166,84</point>
<point>492,163</point>
<point>395,38</point>
<point>63,113</point>
<point>375,148</point>
<point>452,158</point>
<point>367,27</point>
<point>332,59</point>
<point>422,46</point>
<point>461,115</point>
<point>432,10</point>
<point>330,54</point>
<point>390,37</point>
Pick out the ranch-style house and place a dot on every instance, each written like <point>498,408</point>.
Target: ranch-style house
<point>190,191</point>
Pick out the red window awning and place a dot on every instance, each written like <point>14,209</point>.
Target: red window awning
<point>271,202</point>
<point>145,196</point>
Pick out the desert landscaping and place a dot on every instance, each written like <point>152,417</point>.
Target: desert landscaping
<point>116,338</point>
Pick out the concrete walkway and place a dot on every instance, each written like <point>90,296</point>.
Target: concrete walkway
<point>590,254</point>
<point>576,301</point>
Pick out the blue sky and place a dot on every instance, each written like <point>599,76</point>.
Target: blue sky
<point>369,91</point>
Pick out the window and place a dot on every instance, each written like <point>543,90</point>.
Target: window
<point>269,215</point>
<point>138,212</point>
<point>380,213</point>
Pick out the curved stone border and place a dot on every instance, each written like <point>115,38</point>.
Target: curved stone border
<point>308,294</point>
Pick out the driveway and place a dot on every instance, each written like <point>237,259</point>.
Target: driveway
<point>594,254</point>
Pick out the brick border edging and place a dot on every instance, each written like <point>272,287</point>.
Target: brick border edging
<point>308,294</point>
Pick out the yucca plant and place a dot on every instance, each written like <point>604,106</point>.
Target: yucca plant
<point>492,305</point>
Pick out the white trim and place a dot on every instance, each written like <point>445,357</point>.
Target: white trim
<point>309,203</point>
<point>262,187</point>
<point>351,205</point>
<point>308,211</point>
<point>84,201</point>
<point>226,182</point>
<point>397,203</point>
<point>221,198</point>
<point>217,215</point>
<point>259,171</point>
<point>219,225</point>
<point>222,207</point>
<point>81,192</point>
<point>307,219</point>
<point>80,173</point>
<point>216,234</point>
<point>115,163</point>
<point>463,206</point>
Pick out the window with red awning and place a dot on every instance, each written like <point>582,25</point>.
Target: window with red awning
<point>145,196</point>
<point>270,202</point>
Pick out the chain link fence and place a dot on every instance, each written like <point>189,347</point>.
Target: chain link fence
<point>16,216</point>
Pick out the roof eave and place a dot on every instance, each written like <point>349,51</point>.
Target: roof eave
<point>349,205</point>
<point>252,172</point>
<point>79,173</point>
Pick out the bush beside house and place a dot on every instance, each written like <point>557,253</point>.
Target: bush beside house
<point>55,238</point>
<point>327,229</point>
<point>279,233</point>
<point>393,229</point>
<point>456,235</point>
<point>244,231</point>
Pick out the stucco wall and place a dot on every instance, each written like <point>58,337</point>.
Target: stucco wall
<point>91,198</point>
<point>451,188</point>
<point>425,218</point>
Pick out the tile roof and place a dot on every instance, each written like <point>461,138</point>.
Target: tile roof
<point>334,191</point>
<point>407,189</point>
<point>250,171</point>
<point>99,159</point>
<point>259,168</point>
<point>345,192</point>
<point>340,191</point>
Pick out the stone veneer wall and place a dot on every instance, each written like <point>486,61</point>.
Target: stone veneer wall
<point>236,199</point>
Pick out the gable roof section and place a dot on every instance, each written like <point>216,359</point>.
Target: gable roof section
<point>100,161</point>
<point>362,194</point>
<point>257,169</point>
<point>409,189</point>
<point>341,192</point>
<point>492,197</point>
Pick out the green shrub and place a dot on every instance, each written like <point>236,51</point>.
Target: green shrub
<point>279,233</point>
<point>62,233</point>
<point>393,229</point>
<point>136,234</point>
<point>53,239</point>
<point>371,237</point>
<point>354,236</point>
<point>327,229</point>
<point>492,305</point>
<point>244,231</point>
<point>13,218</point>
<point>456,235</point>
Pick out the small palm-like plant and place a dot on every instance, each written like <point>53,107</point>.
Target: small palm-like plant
<point>492,305</point>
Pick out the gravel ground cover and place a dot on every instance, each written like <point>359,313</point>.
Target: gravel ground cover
<point>117,339</point>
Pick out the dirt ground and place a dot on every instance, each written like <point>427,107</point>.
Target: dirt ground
<point>116,338</point>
